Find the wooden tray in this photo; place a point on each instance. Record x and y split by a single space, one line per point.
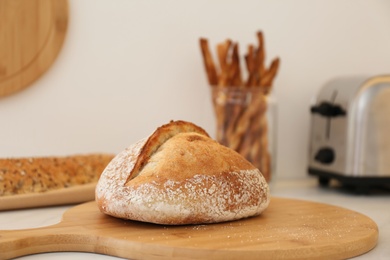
70 195
288 229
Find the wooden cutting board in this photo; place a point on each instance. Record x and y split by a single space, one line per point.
31 35
288 229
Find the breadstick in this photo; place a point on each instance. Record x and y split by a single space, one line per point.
237 109
238 95
235 73
222 51
261 131
255 132
267 80
220 107
250 137
249 58
208 62
260 57
259 154
250 64
258 104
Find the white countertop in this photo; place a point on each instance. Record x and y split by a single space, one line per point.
375 205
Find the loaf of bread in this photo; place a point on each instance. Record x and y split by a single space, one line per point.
41 174
179 175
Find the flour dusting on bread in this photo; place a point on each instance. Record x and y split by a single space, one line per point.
185 178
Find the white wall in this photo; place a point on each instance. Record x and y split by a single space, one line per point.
130 66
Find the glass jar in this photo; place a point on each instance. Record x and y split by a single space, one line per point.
245 122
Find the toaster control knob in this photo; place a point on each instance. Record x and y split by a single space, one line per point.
325 156
328 109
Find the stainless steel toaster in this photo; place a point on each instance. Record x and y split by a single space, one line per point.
350 132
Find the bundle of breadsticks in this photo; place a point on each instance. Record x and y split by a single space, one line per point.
240 98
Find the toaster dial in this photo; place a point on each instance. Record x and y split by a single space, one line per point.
325 155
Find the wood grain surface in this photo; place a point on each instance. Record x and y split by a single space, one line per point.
288 229
63 196
31 35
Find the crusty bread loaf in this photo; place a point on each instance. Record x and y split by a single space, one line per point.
40 174
179 175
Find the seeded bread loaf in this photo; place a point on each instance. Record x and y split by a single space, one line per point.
41 174
179 175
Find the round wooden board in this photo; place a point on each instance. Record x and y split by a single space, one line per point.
31 35
288 229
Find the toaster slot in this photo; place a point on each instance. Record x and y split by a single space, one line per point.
329 110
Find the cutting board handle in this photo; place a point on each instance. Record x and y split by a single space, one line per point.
16 243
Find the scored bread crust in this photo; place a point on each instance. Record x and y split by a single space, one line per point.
179 175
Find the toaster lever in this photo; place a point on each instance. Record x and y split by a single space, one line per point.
328 109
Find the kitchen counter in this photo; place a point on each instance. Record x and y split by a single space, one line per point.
374 205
